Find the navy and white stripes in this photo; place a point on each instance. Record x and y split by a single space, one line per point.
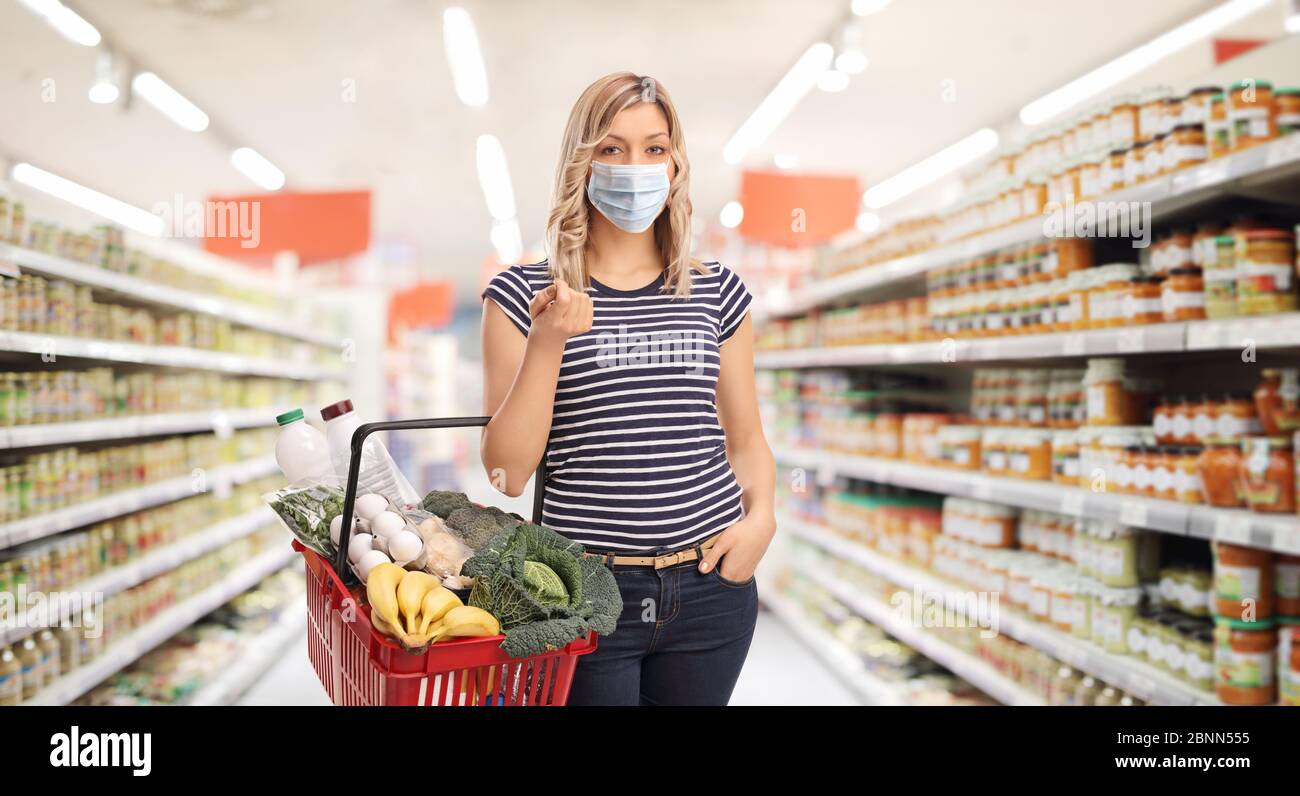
636 459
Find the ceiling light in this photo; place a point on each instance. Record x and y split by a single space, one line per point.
921 174
169 102
494 178
865 8
778 104
784 161
65 21
257 168
1134 61
732 214
832 81
114 210
868 223
466 59
507 241
104 90
1292 21
851 62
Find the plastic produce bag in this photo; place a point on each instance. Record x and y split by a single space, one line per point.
306 510
444 552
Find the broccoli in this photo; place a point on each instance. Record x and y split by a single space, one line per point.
474 525
444 503
504 520
513 580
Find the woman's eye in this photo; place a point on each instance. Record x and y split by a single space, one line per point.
609 150
656 150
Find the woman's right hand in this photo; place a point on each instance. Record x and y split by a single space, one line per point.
560 312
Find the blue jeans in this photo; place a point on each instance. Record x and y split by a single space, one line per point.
681 640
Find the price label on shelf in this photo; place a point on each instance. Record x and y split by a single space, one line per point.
1132 341
1072 504
1283 150
1134 513
1234 528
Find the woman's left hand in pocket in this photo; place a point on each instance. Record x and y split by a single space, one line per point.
740 548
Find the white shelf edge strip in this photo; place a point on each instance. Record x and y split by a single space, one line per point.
131 500
164 355
1277 532
31 436
1267 331
866 686
121 578
1141 680
971 669
254 659
162 295
1166 194
161 628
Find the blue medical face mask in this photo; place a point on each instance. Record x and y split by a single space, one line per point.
629 196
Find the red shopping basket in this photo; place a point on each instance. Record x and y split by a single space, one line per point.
357 665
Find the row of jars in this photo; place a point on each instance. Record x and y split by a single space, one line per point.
1123 144
38 660
62 396
61 562
1028 397
57 478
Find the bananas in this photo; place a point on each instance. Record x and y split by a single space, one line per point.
410 594
461 621
416 610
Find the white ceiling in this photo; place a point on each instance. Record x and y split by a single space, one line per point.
270 74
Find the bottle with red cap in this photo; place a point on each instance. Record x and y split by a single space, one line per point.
379 473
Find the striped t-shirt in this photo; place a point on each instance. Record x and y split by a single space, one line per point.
636 460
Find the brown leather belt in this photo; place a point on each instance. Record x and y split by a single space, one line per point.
693 553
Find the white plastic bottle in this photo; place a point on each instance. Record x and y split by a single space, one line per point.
379 473
301 451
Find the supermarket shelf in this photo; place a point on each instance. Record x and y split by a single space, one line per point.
162 627
258 656
1174 193
165 355
91 511
119 579
1143 681
142 290
869 688
132 426
1279 532
1273 331
969 668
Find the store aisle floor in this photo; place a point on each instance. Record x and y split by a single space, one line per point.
779 671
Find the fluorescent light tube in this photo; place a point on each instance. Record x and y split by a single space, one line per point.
732 214
507 241
66 21
865 8
466 59
169 102
114 210
777 105
941 163
494 178
1134 61
833 81
257 168
868 223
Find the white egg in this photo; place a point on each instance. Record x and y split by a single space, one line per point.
358 546
387 523
369 561
405 546
336 527
367 506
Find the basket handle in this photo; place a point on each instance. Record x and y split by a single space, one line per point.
354 473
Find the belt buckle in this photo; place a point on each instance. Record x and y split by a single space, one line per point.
668 560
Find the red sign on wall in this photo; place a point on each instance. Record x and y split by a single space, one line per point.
320 227
797 210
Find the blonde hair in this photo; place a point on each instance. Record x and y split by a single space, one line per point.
589 122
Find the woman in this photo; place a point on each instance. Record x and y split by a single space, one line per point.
629 366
